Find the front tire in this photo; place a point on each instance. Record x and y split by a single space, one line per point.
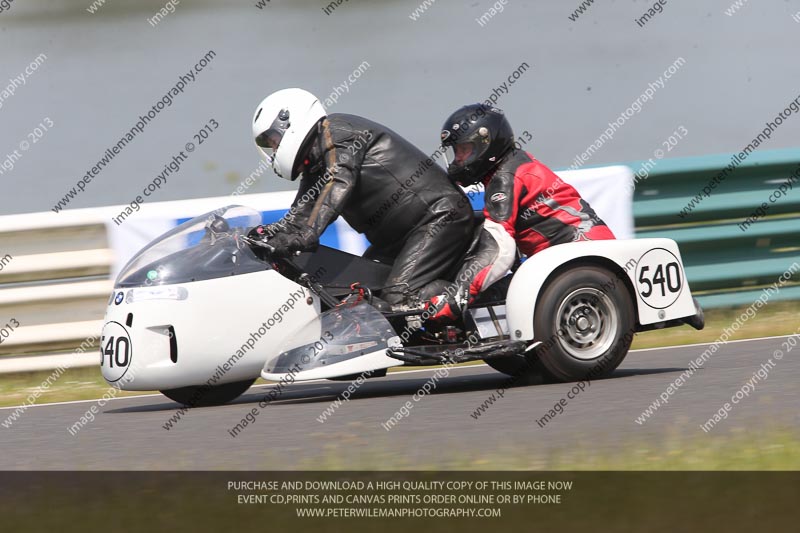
586 322
206 396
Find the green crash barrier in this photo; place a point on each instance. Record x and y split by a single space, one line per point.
728 260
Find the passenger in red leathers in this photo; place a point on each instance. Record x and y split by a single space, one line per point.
527 206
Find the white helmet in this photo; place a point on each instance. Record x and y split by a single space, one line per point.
283 120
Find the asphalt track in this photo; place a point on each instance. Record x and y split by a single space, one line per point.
128 433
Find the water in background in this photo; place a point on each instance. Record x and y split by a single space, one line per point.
103 70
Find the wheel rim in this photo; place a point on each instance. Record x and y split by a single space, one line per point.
586 323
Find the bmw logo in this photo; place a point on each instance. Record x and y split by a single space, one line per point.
119 298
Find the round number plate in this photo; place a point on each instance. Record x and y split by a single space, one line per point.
116 351
659 278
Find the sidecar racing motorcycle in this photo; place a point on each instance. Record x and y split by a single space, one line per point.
201 313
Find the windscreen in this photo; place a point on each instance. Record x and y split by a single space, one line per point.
205 247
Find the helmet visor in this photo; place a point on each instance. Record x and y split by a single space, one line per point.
461 154
269 141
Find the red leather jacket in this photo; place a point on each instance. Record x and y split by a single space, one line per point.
537 208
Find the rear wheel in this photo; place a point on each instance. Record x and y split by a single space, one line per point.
204 395
585 320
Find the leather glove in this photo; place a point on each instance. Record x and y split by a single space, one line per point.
286 243
265 232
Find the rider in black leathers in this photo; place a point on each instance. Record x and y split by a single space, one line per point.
385 188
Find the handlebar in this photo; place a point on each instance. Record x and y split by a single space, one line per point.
262 244
256 242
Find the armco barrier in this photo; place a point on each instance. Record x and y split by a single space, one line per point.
54 282
726 264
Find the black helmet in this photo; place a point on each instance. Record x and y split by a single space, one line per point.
475 138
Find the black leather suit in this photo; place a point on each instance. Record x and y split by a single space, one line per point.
389 190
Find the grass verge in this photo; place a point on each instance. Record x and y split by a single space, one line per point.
771 449
779 318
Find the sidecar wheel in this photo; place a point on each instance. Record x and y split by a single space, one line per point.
585 319
205 396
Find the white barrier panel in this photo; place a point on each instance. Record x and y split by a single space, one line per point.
609 190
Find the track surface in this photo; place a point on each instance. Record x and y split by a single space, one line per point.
128 433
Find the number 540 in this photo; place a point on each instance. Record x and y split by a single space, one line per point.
668 278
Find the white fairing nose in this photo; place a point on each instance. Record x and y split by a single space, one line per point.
197 307
207 332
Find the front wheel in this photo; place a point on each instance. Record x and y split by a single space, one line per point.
205 395
585 320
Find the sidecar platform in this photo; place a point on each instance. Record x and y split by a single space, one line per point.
437 354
